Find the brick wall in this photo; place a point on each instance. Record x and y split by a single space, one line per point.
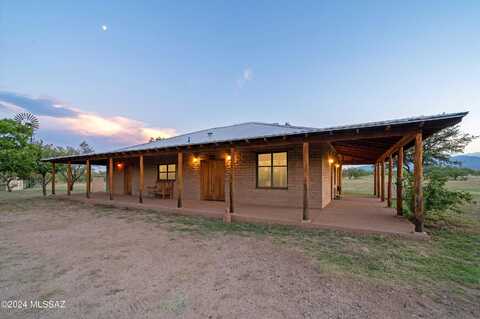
246 191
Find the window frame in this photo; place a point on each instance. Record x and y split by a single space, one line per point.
167 172
271 169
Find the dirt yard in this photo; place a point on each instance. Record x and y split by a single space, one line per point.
110 263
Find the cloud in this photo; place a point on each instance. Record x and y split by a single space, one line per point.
56 117
37 106
247 75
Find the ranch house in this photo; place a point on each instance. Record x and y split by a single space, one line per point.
270 172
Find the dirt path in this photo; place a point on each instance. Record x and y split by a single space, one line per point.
110 264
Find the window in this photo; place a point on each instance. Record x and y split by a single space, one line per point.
167 172
272 170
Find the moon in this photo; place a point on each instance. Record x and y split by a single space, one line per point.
104 27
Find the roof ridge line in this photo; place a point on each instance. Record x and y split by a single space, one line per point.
282 125
185 134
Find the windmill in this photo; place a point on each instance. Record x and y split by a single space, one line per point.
28 119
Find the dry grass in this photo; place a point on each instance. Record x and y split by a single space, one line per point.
447 268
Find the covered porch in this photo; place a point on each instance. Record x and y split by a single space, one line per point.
310 192
354 213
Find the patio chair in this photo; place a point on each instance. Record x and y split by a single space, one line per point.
162 189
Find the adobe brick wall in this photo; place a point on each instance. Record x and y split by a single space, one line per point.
245 176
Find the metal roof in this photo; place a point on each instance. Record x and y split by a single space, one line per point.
256 130
242 131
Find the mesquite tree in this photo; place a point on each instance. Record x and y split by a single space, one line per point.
44 169
438 148
17 155
78 171
437 152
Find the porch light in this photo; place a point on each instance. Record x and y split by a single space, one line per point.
119 165
337 165
330 161
195 159
229 157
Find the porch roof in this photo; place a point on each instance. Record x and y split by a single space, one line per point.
359 143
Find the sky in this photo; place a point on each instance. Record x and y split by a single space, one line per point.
115 73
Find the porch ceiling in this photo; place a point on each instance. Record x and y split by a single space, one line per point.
364 151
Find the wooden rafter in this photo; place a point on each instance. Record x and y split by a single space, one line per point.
402 142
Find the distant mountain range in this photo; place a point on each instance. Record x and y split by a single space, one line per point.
470 160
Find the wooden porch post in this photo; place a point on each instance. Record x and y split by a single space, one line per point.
418 179
89 179
389 185
231 180
375 179
110 177
399 181
306 181
334 178
378 180
53 178
69 178
332 167
382 181
180 179
141 181
340 173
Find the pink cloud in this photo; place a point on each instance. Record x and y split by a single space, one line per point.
55 116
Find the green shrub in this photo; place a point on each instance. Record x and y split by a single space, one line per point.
437 199
355 172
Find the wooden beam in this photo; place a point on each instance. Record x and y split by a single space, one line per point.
335 180
231 180
378 180
110 177
351 136
332 167
418 179
392 149
357 154
89 179
400 182
382 181
53 178
306 181
69 178
375 179
389 182
141 181
340 173
179 179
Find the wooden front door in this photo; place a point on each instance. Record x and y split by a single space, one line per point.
212 179
127 180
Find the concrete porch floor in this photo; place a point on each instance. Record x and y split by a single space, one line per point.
351 213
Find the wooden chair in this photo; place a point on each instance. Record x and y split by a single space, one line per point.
162 189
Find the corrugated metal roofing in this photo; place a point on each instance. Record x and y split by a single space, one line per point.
255 130
242 131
